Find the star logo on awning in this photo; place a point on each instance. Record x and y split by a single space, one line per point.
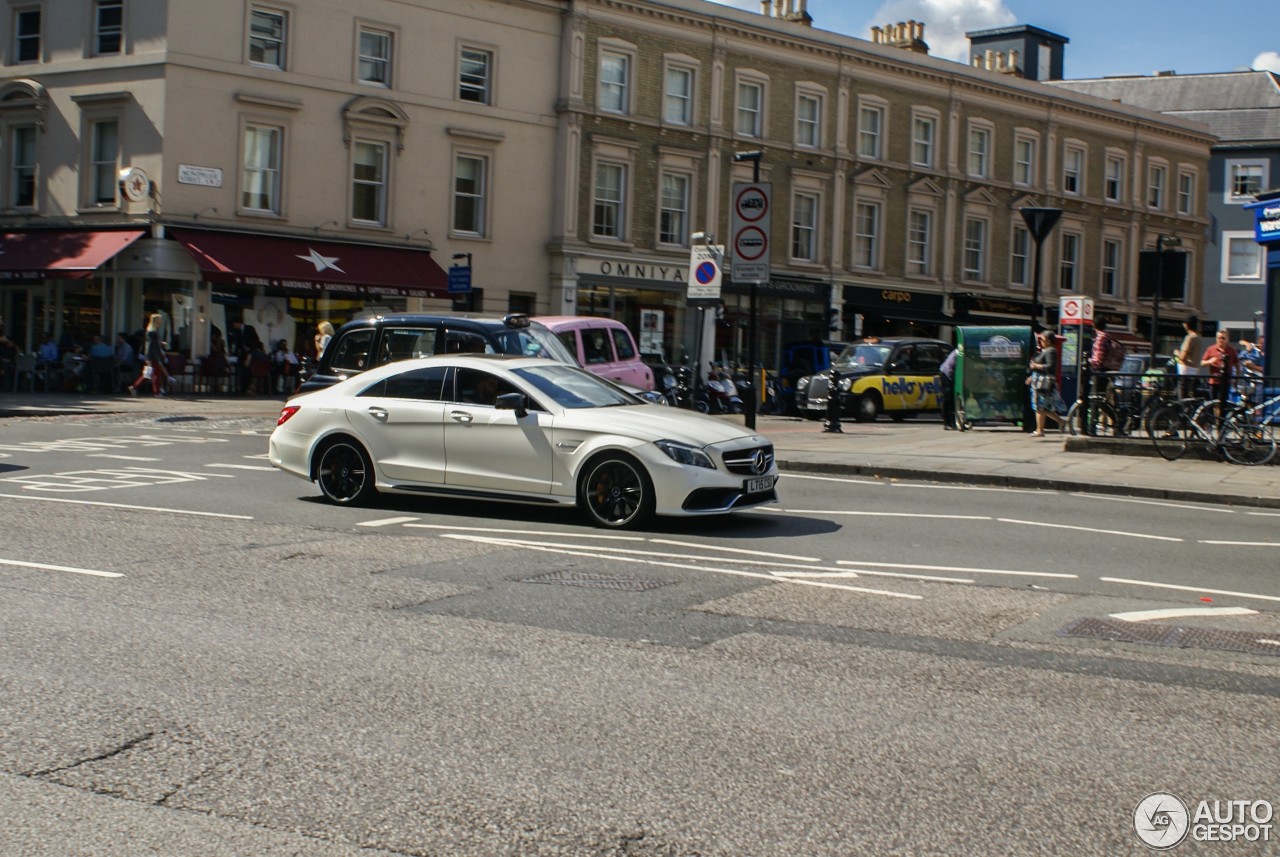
322 263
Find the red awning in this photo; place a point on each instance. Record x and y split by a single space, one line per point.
312 266
66 253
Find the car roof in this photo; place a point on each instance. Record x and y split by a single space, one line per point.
411 318
896 340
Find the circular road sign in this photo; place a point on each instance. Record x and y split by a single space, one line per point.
751 203
750 243
706 273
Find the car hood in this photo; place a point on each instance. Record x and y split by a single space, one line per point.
655 422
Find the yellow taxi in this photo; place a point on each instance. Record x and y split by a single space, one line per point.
898 377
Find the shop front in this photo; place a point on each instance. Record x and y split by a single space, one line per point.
788 309
993 310
890 310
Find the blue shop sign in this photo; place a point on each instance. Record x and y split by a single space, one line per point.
1266 226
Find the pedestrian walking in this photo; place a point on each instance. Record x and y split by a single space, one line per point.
947 376
153 368
1043 382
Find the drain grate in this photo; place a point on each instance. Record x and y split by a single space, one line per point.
597 581
1174 636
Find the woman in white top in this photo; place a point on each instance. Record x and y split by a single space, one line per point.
324 332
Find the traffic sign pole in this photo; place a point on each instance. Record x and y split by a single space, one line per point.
750 230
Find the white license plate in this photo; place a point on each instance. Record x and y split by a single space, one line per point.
761 484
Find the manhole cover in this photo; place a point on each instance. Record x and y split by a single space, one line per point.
1175 636
597 581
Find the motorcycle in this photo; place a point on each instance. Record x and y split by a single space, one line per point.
721 394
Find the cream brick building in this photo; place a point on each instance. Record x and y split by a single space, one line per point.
293 162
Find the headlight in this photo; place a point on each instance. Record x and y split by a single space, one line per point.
845 384
682 453
802 384
653 397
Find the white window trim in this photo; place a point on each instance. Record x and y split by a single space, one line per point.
1077 261
90 122
1119 268
491 81
930 244
383 219
922 114
688 176
1027 273
1230 198
818 94
1021 135
286 53
816 232
617 47
392 40
275 124
1154 166
14 12
1075 147
1183 173
679 62
982 275
988 131
752 78
1228 238
871 102
1109 157
98 31
10 129
877 238
485 196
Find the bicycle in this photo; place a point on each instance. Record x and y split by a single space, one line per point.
1176 423
1096 415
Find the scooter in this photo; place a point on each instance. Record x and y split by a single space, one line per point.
721 395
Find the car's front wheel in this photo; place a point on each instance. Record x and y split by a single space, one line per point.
615 492
345 474
867 408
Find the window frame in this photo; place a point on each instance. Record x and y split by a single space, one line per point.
275 172
1069 262
107 31
812 125
282 43
1075 158
1230 166
806 233
625 89
919 264
973 266
1116 180
482 85
880 109
382 184
866 247
1185 194
23 39
102 173
668 234
978 158
1112 266
1157 196
618 205
919 121
1028 166
480 196
1246 238
387 62
756 113
1020 249
21 176
685 99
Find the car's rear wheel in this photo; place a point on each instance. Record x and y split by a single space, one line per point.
345 474
615 492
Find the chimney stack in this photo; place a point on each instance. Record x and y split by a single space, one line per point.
908 35
795 11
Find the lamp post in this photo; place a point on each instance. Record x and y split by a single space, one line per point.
749 408
1040 222
1163 242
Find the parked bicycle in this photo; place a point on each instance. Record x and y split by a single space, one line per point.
1224 431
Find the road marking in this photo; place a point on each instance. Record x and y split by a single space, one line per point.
643 561
790 474
957 569
241 466
524 532
1240 544
887 514
1188 588
45 567
1265 514
120 457
385 522
734 550
1180 612
79 502
1268 642
846 481
1089 530
1185 506
104 480
925 577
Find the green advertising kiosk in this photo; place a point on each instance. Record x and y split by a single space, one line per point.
991 375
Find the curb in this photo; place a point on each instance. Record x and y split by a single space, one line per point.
878 472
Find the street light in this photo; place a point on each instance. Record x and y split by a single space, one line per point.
749 411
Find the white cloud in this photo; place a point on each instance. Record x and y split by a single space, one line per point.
1267 61
946 22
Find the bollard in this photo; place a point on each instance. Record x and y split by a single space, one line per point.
833 405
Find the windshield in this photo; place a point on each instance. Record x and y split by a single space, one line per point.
571 387
862 357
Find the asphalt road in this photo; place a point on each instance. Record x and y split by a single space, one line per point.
202 658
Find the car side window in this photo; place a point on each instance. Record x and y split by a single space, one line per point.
475 387
465 342
928 359
425 385
351 352
399 343
622 344
595 347
570 340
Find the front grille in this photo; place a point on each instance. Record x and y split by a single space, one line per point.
750 462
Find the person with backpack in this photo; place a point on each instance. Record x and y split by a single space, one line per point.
1107 354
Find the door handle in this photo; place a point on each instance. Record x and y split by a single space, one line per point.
461 416
378 413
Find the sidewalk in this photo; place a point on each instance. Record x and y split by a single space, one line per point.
915 449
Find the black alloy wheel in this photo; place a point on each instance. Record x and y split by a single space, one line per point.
345 474
616 493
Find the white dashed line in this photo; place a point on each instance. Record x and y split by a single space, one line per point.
1180 612
1089 530
1189 588
46 567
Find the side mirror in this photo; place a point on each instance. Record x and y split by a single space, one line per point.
513 402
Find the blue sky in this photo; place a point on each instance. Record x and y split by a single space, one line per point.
1108 37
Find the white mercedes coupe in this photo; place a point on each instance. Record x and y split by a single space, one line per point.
519 429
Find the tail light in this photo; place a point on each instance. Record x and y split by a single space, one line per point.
286 412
